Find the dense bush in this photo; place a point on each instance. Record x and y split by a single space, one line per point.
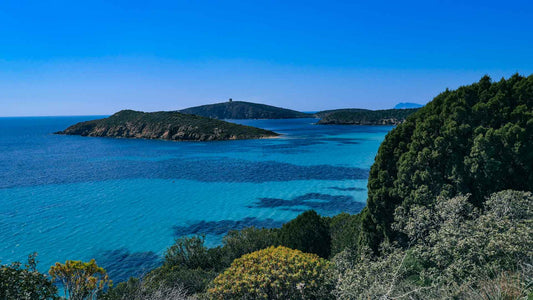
239 242
274 273
458 242
191 253
140 289
25 282
308 233
457 251
192 280
344 232
188 263
475 140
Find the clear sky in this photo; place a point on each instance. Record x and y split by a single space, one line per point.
68 58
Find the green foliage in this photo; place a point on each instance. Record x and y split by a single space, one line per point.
308 233
274 273
364 116
344 231
191 253
25 282
464 242
365 276
80 280
243 110
123 290
456 251
172 277
189 266
188 263
474 140
136 289
239 242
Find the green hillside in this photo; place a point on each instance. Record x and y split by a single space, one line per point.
243 110
354 116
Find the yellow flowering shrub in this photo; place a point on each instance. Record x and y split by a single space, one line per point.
80 280
274 273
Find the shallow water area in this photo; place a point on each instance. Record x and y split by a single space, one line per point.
124 201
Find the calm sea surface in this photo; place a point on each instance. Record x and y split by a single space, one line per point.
124 201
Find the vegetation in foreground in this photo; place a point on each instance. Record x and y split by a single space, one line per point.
449 216
19 281
456 251
274 273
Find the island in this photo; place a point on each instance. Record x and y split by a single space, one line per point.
244 110
356 116
165 125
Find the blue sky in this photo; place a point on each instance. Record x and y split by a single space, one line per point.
68 58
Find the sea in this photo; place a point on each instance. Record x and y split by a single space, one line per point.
123 202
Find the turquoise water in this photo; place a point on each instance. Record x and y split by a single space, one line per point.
124 201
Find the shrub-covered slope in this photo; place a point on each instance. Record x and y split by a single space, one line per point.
354 116
166 126
243 110
477 139
456 251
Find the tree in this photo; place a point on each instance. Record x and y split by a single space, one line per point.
189 252
274 273
308 233
247 240
344 230
80 280
188 264
25 282
475 140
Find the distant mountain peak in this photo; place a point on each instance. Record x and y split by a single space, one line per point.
403 105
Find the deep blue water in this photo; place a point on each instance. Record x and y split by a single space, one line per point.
124 201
